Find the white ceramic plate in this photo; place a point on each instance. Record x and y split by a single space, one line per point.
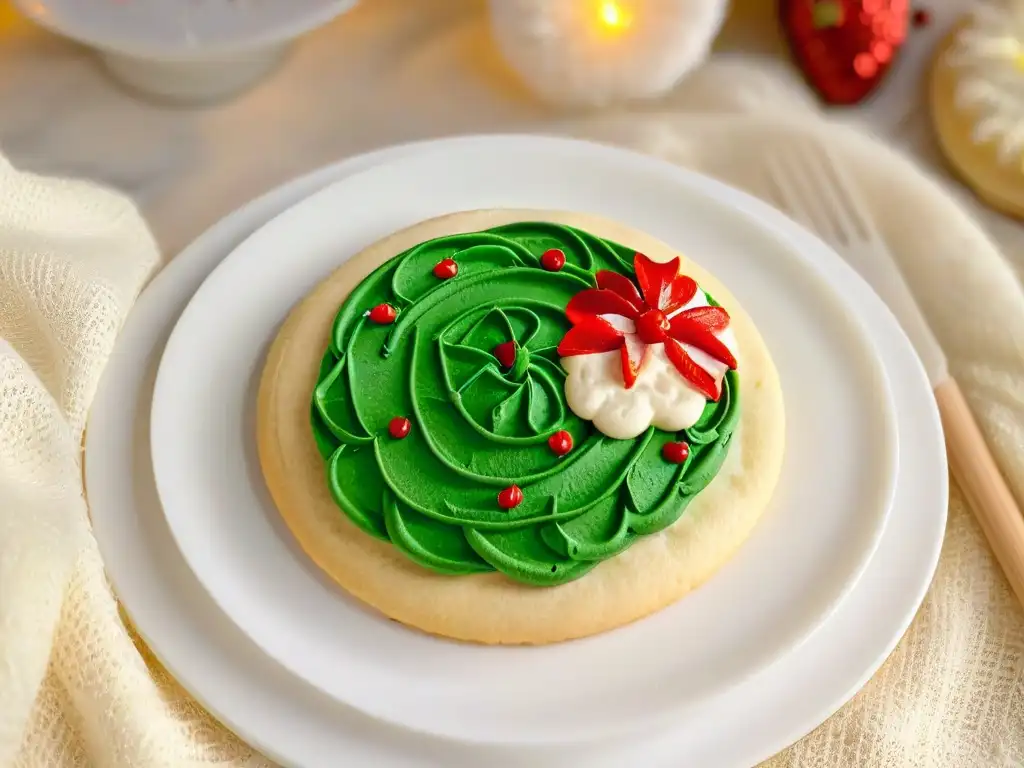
814 542
185 50
296 726
181 29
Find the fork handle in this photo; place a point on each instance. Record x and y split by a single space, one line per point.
974 469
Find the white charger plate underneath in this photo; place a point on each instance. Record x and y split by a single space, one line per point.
294 724
813 543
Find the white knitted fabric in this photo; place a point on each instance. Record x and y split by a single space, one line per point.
77 689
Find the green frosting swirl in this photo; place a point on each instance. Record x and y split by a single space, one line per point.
478 428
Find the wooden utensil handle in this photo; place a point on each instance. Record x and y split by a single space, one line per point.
974 469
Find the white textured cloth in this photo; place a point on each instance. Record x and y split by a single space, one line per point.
77 689
74 688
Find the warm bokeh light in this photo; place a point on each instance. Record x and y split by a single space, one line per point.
11 21
613 15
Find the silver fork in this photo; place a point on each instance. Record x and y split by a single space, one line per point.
811 185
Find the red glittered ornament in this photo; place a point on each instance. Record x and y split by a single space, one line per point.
399 427
844 47
560 443
553 259
675 453
506 353
383 314
510 497
445 269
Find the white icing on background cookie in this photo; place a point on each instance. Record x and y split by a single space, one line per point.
660 397
988 58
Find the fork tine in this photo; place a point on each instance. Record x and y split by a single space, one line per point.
791 190
813 186
817 189
804 177
848 203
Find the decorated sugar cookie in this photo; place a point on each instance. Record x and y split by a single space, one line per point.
977 100
517 427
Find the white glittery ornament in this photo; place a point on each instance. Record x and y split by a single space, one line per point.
595 52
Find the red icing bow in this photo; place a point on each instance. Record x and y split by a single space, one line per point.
615 316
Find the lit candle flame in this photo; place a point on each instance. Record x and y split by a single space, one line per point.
613 15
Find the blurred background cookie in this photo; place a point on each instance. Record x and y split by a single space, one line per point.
977 103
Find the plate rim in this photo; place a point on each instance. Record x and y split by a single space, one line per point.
168 52
736 202
201 256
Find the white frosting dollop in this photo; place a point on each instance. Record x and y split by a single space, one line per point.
988 55
594 389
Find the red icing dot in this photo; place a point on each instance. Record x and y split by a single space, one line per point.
510 497
383 314
445 269
560 443
553 259
399 427
675 453
506 353
921 18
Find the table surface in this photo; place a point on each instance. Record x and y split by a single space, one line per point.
389 71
